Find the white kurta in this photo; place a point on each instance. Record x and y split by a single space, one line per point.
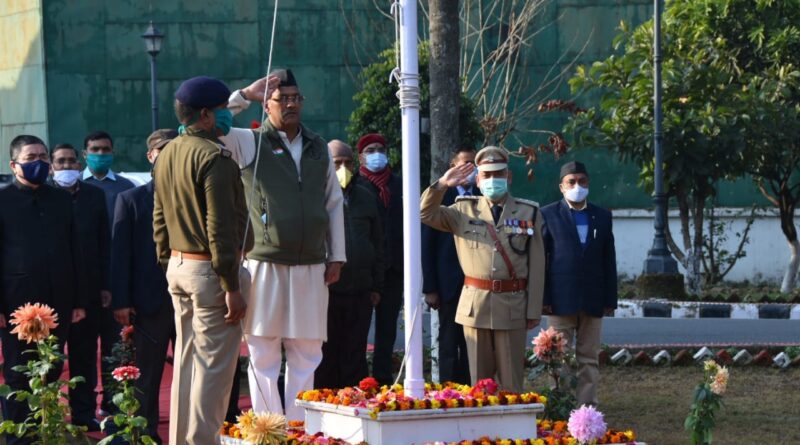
288 301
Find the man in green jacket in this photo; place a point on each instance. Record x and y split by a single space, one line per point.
351 299
199 220
296 212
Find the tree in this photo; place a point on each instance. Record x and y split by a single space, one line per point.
445 85
377 109
765 38
703 139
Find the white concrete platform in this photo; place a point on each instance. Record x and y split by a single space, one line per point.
420 426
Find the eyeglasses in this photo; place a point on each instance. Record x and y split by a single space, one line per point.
284 100
65 161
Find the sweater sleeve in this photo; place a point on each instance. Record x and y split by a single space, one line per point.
218 182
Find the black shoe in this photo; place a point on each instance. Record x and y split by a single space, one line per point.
91 425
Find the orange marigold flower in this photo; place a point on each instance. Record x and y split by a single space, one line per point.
33 322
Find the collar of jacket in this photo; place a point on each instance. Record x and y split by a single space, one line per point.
26 188
272 132
189 131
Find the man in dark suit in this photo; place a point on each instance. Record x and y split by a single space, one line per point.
581 277
140 285
376 176
91 218
443 280
40 261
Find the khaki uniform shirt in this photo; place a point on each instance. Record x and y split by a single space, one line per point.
469 219
200 205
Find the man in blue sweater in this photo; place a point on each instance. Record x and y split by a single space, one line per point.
99 154
581 273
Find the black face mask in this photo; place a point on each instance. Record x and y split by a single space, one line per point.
35 172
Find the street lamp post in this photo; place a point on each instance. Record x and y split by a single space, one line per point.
659 260
152 40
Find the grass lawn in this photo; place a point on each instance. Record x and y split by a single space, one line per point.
762 406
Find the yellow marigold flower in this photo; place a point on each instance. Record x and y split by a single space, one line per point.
629 435
397 387
479 402
504 442
391 406
435 404
538 442
419 404
512 399
494 400
543 400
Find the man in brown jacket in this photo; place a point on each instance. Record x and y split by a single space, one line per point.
500 249
199 220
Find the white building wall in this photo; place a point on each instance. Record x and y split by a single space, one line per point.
767 253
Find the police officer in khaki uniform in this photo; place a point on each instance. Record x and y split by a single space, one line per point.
199 220
500 249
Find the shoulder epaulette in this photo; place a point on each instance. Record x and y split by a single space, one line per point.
224 152
527 201
467 198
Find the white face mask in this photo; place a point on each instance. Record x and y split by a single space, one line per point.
577 193
66 178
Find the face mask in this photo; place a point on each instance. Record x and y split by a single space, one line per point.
66 178
577 193
494 188
376 162
35 172
223 120
344 175
99 163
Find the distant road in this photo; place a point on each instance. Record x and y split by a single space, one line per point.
659 331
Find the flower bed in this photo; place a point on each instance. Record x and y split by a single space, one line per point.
437 396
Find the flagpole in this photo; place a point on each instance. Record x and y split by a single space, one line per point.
414 384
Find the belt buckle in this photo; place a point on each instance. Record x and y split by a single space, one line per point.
497 286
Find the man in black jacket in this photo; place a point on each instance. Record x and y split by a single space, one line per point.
140 295
352 298
581 273
40 260
376 175
89 204
443 281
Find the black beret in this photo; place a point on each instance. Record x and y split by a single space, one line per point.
286 77
202 92
571 168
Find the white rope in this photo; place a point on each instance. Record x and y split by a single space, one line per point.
408 342
409 95
253 186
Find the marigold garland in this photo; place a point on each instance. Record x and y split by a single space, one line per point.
437 396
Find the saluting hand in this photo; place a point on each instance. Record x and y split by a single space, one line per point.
255 91
237 307
78 315
456 176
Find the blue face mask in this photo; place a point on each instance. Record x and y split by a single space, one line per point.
494 188
99 162
35 172
376 162
224 120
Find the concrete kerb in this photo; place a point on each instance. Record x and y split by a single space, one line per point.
700 309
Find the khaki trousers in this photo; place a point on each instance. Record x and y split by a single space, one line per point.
497 354
206 352
582 332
